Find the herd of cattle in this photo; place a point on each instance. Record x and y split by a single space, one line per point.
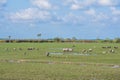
30 48
105 49
110 49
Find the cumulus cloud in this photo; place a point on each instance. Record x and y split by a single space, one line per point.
70 1
30 14
76 7
107 2
80 4
115 14
2 11
95 11
115 11
90 11
42 4
70 18
3 1
43 12
101 17
96 16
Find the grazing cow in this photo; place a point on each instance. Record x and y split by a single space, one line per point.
14 49
111 51
67 49
90 50
31 48
84 51
47 54
70 49
104 52
108 46
104 47
116 47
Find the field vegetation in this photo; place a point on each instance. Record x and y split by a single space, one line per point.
17 62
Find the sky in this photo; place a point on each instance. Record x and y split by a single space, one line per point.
83 19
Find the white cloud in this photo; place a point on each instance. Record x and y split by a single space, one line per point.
70 1
2 9
72 19
30 14
89 2
91 12
106 2
3 1
101 17
115 11
115 14
94 11
109 3
42 4
95 16
76 7
81 4
74 4
89 16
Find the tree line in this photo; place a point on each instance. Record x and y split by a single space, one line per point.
57 39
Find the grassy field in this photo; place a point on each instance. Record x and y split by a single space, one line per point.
100 64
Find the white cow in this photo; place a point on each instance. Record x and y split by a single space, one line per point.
67 49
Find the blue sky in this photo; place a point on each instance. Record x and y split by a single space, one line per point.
83 19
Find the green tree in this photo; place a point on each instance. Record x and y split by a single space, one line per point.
74 39
39 35
116 40
68 40
57 39
9 37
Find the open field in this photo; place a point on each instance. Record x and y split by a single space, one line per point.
19 63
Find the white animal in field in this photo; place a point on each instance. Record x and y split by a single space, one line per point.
90 50
84 51
14 49
67 49
111 51
70 49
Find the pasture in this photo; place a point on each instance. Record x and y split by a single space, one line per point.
28 61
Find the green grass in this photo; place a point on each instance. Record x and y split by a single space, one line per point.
35 65
38 71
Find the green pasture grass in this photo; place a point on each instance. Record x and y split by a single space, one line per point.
95 56
37 66
41 71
